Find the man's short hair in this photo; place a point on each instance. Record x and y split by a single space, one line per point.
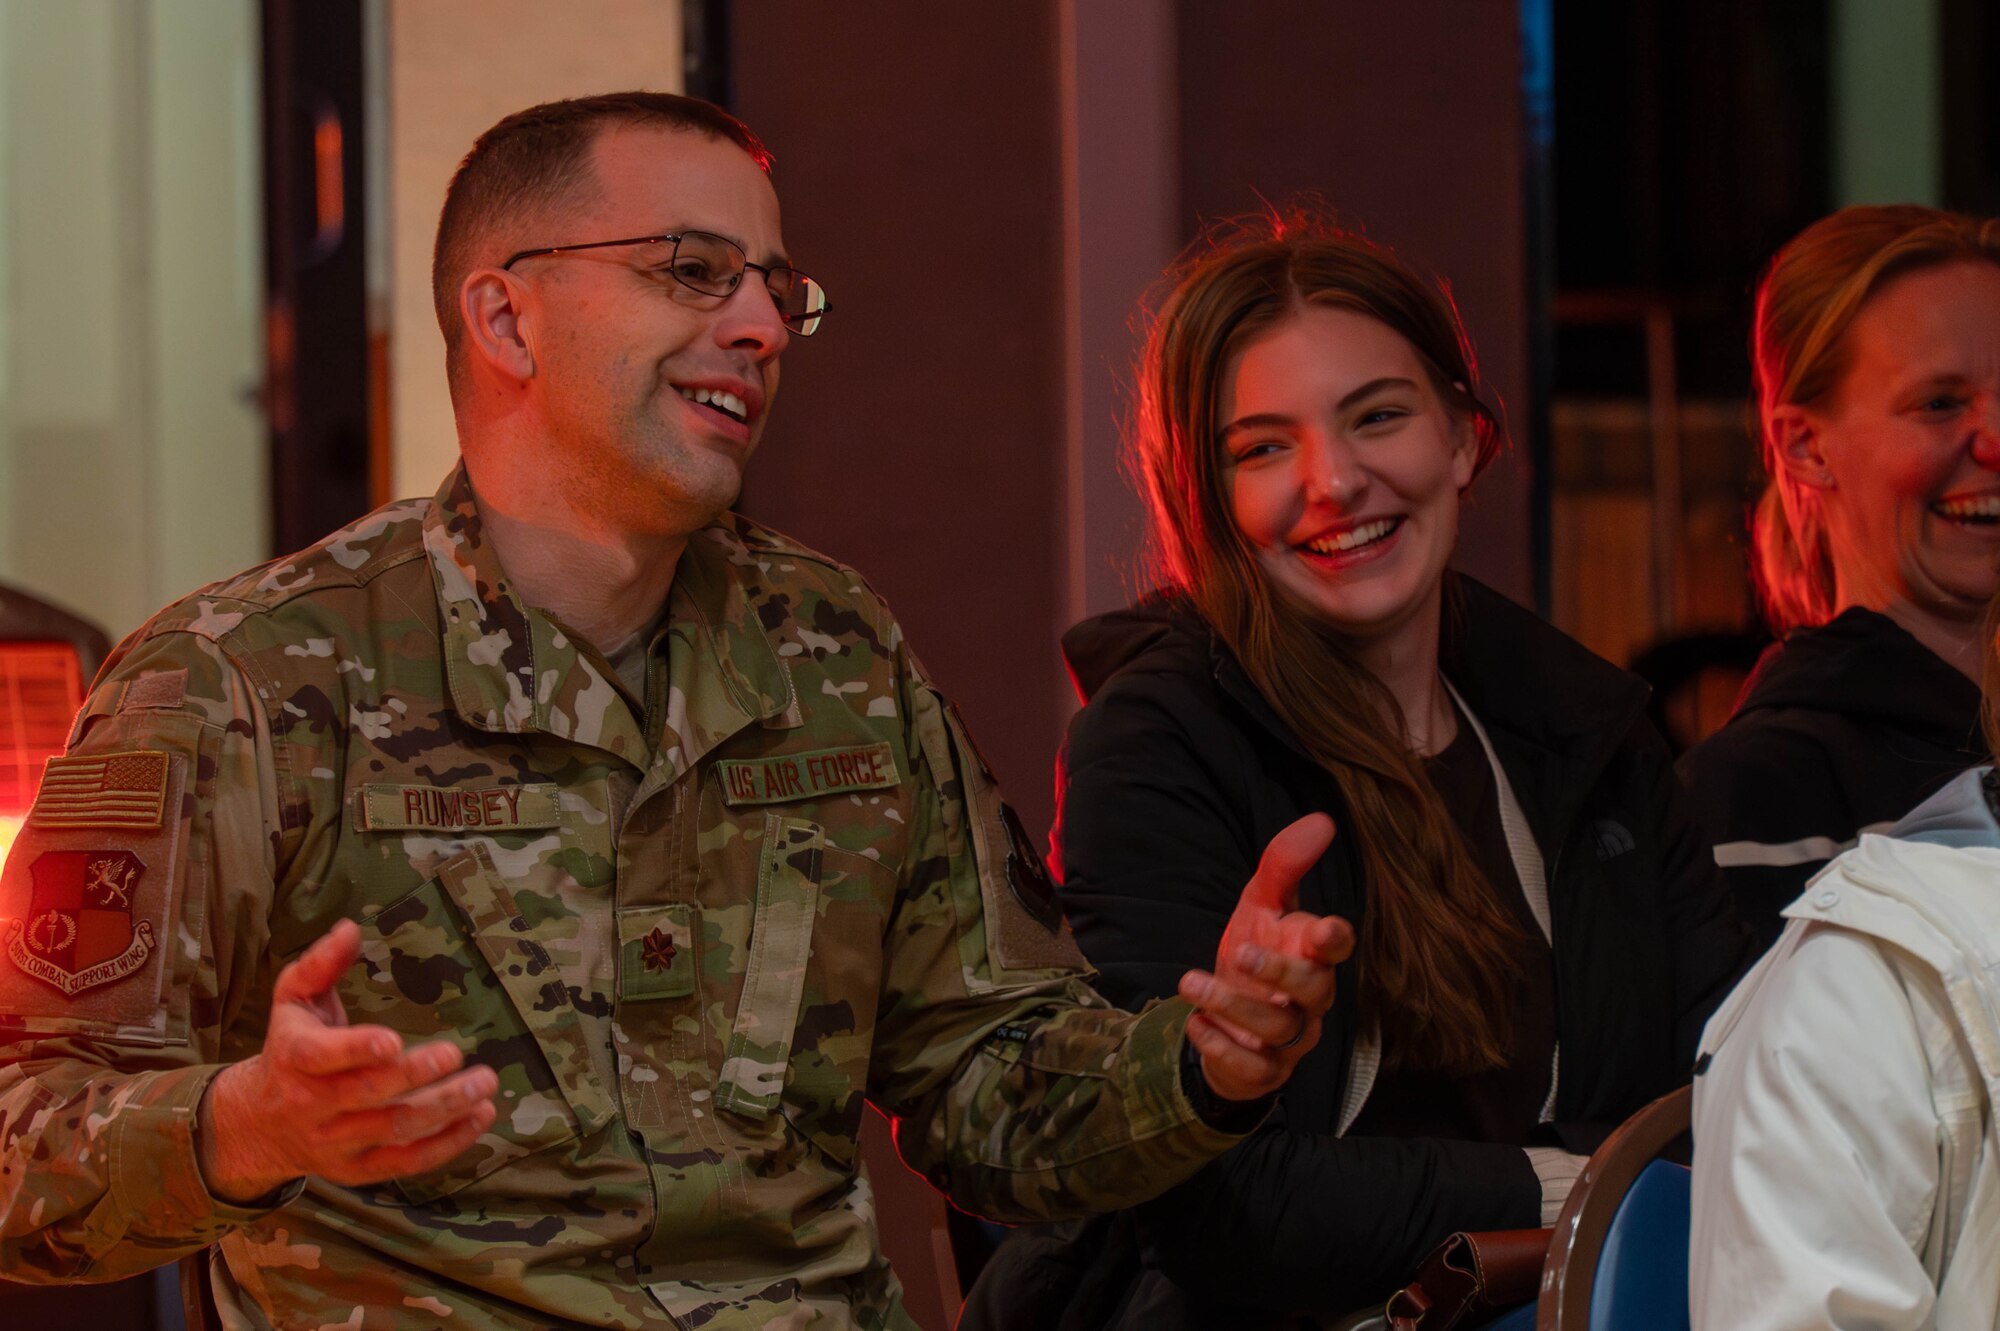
538 160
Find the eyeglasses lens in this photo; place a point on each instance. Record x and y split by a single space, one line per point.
707 263
713 265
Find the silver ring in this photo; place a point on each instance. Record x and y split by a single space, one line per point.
1297 1036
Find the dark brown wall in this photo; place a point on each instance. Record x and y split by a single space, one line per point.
920 436
923 436
1127 131
1406 118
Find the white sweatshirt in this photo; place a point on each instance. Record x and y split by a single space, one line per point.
1847 1161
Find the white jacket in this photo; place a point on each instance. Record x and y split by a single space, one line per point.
1847 1160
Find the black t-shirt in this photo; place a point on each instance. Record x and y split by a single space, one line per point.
1505 1103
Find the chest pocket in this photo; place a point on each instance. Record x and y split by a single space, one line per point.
455 960
774 981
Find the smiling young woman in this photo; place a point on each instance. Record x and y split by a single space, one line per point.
1876 356
1541 932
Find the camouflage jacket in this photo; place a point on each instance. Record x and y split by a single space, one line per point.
691 932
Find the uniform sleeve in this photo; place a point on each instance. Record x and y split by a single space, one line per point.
1816 1152
150 841
1017 1089
1295 1217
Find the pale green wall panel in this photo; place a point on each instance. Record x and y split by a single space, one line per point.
133 466
213 505
1887 109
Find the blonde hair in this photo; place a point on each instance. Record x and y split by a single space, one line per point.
1806 302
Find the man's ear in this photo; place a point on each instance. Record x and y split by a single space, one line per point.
497 310
1798 445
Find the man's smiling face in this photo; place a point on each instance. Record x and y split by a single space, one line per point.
653 395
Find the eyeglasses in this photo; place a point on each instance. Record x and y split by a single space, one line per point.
714 266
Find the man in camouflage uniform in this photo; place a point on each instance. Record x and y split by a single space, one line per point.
626 935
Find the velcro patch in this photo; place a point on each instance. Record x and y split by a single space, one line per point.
656 951
79 932
392 808
103 790
162 689
800 776
87 916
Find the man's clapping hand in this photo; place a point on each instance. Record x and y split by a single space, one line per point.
348 1104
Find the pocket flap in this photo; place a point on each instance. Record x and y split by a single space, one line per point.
531 959
760 1045
421 975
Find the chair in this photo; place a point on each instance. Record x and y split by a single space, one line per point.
198 1310
1619 1257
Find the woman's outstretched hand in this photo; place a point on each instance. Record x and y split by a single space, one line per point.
1259 1013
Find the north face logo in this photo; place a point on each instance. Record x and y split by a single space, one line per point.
1611 839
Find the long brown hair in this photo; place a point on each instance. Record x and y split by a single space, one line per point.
1439 955
1806 302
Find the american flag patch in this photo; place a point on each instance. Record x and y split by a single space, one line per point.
103 790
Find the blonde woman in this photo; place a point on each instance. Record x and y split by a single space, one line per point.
1876 353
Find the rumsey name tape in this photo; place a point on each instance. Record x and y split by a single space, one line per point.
389 808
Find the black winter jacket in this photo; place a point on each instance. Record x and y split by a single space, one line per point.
1174 777
1842 729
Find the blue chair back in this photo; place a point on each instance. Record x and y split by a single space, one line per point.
1642 1274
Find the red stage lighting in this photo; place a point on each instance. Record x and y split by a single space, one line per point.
41 686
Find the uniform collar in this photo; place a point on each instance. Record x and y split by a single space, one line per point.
723 671
514 670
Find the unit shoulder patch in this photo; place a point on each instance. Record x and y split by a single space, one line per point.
87 899
1028 876
79 932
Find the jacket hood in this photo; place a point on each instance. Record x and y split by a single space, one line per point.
1933 889
1098 648
1864 665
1960 815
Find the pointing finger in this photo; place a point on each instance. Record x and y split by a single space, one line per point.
1286 859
